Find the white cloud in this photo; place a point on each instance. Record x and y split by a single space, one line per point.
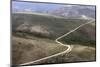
28 9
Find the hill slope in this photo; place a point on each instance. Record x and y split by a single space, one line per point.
33 36
44 25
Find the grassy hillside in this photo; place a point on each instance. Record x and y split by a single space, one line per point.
26 50
44 25
33 36
84 36
79 53
49 26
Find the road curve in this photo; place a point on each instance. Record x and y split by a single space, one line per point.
69 48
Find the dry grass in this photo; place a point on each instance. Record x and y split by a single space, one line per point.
85 52
26 50
79 53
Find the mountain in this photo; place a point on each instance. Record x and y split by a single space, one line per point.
68 11
74 11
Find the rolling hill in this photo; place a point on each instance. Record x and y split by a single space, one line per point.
33 36
44 25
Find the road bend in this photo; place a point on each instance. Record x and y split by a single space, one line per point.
69 47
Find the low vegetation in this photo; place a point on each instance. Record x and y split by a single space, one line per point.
46 26
79 53
33 38
83 36
26 50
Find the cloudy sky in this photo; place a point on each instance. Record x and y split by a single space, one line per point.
32 6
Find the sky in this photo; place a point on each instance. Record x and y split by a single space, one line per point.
32 6
29 6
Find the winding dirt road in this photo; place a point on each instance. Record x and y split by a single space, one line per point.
69 47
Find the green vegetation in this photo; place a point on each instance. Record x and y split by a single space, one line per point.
53 25
83 36
33 38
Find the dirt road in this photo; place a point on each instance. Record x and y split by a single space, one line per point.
69 47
